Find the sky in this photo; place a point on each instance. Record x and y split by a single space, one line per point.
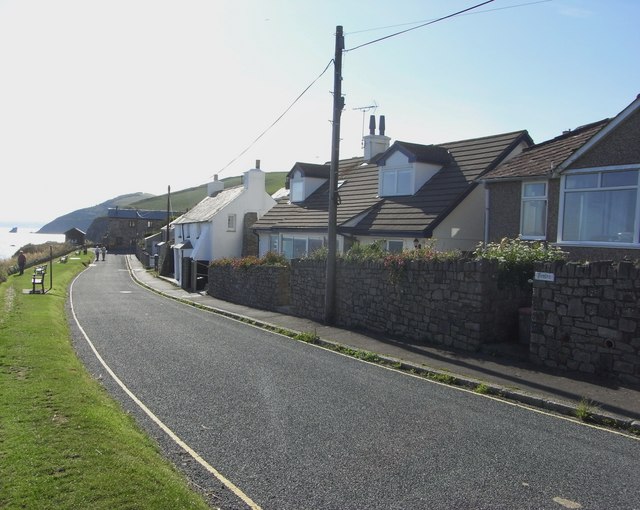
104 98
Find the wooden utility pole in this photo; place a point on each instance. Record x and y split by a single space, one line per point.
338 105
168 212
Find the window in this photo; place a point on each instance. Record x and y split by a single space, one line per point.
274 243
297 187
533 213
132 223
297 191
295 247
231 222
395 246
600 207
396 182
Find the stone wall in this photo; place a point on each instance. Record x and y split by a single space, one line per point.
588 319
264 287
456 304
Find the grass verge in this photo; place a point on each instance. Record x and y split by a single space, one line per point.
64 443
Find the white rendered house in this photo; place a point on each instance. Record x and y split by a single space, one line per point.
217 227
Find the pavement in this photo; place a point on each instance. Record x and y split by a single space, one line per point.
502 372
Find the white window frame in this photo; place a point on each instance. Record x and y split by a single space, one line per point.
635 243
231 223
395 241
305 238
524 199
394 173
296 187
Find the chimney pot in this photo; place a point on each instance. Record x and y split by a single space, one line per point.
382 125
257 164
372 124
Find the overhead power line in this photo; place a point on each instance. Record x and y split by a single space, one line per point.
466 14
420 26
277 120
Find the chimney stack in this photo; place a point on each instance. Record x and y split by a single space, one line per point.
215 186
375 144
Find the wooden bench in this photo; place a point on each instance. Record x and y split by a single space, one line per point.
38 279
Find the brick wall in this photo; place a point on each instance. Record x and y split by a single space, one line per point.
588 319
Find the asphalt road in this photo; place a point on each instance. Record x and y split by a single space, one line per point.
293 426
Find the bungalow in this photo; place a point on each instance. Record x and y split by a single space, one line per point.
218 227
400 194
580 191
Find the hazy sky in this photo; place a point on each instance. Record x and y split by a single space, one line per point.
103 98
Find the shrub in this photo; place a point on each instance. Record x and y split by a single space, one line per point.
270 259
36 254
517 257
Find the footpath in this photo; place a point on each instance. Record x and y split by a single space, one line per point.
607 402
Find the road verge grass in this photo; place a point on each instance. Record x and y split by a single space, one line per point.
64 443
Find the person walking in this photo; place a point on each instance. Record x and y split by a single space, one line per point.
97 250
22 261
104 251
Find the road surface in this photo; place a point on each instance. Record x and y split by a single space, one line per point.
258 420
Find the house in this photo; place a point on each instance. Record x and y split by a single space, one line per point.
219 227
75 236
401 194
127 227
580 191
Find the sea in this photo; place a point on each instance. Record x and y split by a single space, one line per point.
11 242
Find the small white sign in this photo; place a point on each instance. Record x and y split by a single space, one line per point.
545 277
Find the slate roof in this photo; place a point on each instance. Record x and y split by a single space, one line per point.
208 207
362 211
542 159
417 153
136 214
309 170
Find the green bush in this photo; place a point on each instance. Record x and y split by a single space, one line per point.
517 257
270 259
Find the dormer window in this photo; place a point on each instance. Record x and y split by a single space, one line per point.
397 182
304 179
297 187
405 168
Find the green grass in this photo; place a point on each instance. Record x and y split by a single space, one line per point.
185 199
585 409
64 443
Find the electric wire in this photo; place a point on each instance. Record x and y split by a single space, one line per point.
278 119
420 26
431 20
423 24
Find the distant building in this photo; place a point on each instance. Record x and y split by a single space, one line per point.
127 227
75 236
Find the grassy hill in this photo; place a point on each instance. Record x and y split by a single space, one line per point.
184 200
82 218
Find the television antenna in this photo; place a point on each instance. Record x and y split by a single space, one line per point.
364 110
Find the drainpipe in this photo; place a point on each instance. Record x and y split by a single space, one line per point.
487 203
